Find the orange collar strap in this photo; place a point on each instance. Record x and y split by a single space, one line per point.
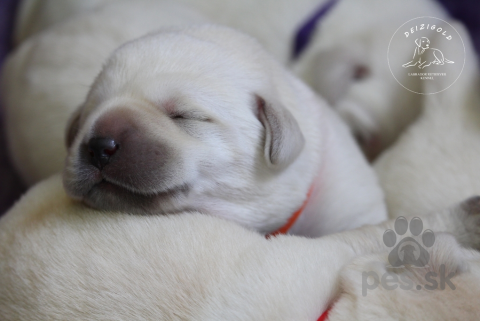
324 315
285 228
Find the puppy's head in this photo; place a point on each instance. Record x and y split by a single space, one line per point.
351 74
181 120
344 73
423 42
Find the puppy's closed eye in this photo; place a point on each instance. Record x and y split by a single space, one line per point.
190 115
194 123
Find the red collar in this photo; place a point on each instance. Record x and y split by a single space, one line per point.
284 229
324 315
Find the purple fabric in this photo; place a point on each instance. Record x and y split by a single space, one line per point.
467 11
305 32
10 185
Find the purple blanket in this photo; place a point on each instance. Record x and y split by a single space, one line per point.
10 186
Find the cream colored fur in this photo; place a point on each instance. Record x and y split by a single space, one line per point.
437 159
421 305
48 77
357 34
354 35
60 260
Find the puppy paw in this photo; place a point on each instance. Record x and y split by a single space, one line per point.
470 216
471 206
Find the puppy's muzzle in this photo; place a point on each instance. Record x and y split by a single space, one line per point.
127 162
101 151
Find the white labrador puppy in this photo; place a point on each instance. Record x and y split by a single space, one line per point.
437 159
200 122
345 61
203 119
60 260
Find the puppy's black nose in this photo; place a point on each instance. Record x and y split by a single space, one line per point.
100 150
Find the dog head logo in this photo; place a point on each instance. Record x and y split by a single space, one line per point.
426 55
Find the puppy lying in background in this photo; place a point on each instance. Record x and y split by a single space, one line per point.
347 64
437 159
60 260
344 60
225 131
47 78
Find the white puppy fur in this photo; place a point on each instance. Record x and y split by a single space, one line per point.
48 77
347 64
225 131
436 160
233 133
346 61
447 303
62 260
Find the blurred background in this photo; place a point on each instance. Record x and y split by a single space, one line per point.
11 188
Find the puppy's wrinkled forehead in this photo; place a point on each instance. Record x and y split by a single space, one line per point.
172 62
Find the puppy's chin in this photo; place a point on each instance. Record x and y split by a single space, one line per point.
108 196
90 187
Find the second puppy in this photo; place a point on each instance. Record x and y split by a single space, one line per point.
437 159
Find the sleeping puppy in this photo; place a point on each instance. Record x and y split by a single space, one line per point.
61 260
345 60
225 131
436 160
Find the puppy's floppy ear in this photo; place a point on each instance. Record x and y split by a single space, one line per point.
417 42
283 138
73 126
